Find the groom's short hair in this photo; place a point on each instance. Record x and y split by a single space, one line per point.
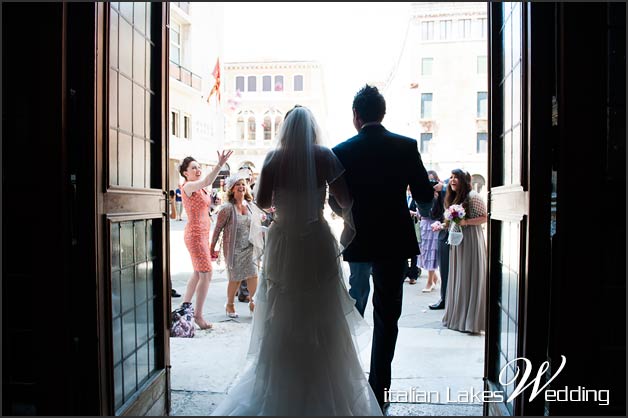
369 104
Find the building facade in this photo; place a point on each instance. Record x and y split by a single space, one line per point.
438 92
196 121
258 96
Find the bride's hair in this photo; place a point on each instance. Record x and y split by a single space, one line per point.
294 166
299 122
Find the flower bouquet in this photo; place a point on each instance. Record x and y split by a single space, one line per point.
454 214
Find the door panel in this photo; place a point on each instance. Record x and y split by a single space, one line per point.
132 199
520 178
508 199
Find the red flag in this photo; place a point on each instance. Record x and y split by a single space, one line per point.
216 72
216 88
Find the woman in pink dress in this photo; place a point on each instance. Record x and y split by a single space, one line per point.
196 201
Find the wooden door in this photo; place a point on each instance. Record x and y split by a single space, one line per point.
521 43
131 177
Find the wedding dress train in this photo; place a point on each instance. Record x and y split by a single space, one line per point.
303 358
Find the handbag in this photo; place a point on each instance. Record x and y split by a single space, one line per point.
455 234
183 321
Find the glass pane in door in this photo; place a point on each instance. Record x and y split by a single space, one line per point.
133 301
510 232
512 88
131 95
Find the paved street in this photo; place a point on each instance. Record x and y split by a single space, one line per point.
428 358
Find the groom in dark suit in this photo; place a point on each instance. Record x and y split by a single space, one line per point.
379 162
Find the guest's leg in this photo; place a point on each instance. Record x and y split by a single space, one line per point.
387 297
252 286
359 285
431 278
232 288
204 277
191 288
201 291
413 272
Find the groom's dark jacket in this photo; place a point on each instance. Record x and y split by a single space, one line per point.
379 167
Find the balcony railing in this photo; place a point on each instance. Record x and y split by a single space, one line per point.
185 76
183 5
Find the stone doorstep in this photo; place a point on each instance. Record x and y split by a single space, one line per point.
432 409
202 403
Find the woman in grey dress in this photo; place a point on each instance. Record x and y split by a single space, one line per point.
465 305
234 222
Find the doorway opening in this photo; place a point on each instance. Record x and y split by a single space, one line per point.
433 72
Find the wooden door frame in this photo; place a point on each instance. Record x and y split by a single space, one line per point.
165 181
105 355
540 141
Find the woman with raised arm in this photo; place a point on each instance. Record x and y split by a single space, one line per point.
196 201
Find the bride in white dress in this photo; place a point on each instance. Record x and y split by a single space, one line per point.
303 355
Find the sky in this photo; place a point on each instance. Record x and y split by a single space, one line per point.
355 42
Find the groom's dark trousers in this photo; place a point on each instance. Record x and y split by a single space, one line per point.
388 277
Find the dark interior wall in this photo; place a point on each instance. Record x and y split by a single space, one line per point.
33 186
49 321
588 323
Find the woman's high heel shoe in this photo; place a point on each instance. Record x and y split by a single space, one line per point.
251 306
231 314
428 289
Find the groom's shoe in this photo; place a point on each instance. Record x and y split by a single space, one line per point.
385 407
438 305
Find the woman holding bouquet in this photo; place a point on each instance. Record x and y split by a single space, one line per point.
465 306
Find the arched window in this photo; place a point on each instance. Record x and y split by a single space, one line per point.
278 120
252 128
268 127
240 133
477 182
272 123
